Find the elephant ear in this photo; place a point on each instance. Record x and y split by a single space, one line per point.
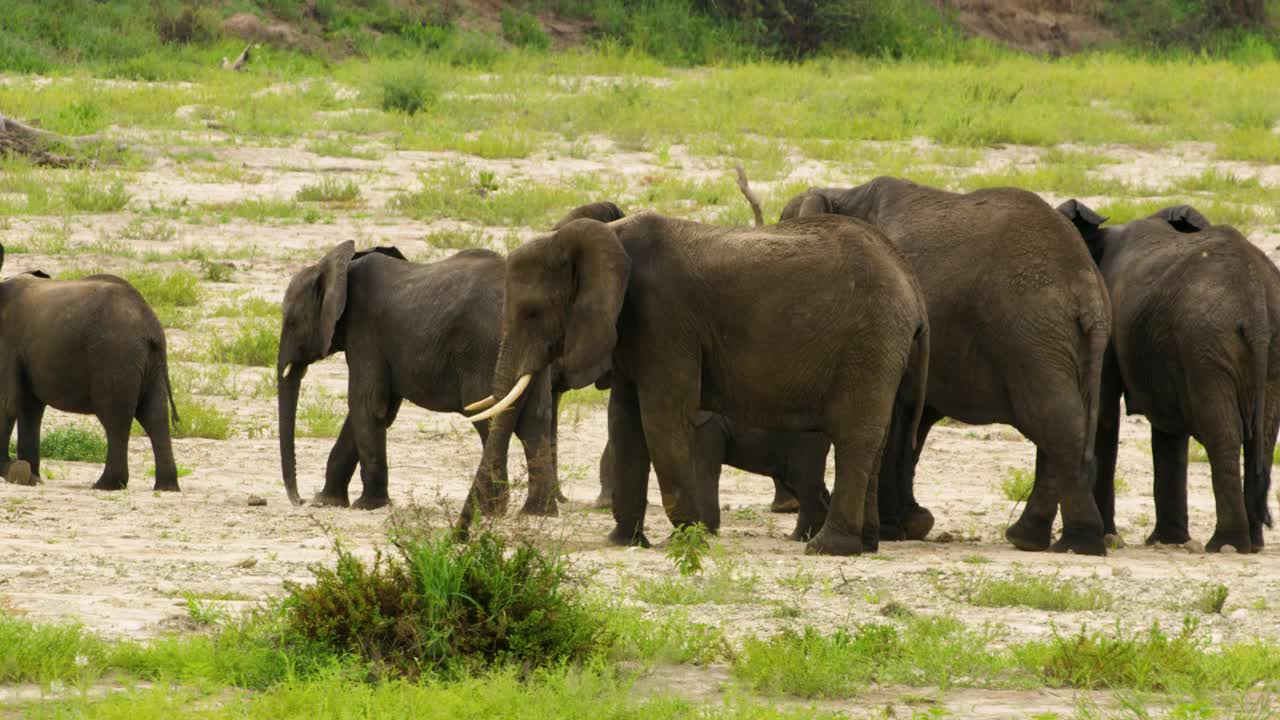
814 203
1088 223
332 288
388 250
603 211
1184 218
601 270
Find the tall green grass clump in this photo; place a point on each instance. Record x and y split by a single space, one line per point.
1041 593
440 607
73 443
255 342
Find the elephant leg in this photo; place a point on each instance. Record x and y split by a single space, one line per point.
607 478
14 471
784 499
858 424
669 432
1222 444
115 476
371 446
805 475
1257 480
1106 444
153 416
490 490
534 428
627 455
708 458
30 416
339 468
1169 486
901 517
1062 477
555 446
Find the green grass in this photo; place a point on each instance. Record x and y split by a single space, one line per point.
320 414
1016 485
83 195
344 147
1212 598
71 442
329 190
1039 592
726 583
255 341
456 192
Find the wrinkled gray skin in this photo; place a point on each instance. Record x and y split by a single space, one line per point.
1020 321
91 346
791 459
425 332
1196 350
691 317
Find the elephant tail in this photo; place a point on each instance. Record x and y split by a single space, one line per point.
1097 335
1257 335
168 390
920 354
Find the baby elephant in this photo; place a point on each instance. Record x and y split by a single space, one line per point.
89 346
1195 347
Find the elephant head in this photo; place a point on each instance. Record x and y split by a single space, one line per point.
1183 218
564 292
313 310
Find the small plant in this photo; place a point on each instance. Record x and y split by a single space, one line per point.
214 271
256 342
487 181
688 546
329 190
1016 485
408 91
1212 598
201 611
523 30
320 415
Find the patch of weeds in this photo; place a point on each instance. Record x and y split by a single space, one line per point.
143 230
440 606
183 471
1016 485
251 306
1211 598
256 342
214 271
85 196
343 147
203 612
320 414
687 547
330 190
747 514
800 581
456 239
71 442
671 638
975 559
522 29
456 192
408 90
1035 591
725 584
176 288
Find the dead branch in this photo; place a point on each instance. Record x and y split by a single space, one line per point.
241 60
751 196
40 145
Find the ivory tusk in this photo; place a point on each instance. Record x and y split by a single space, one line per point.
505 402
479 404
287 368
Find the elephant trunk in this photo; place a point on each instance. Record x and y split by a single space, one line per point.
288 384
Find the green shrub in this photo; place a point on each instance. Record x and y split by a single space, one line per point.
256 342
178 288
523 29
1016 485
77 444
687 547
1212 598
406 89
437 606
85 196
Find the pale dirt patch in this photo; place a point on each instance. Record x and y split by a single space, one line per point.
120 562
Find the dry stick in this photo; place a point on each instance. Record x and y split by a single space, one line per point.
751 196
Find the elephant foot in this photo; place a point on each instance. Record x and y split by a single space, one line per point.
628 538
19 473
1255 536
112 483
784 502
603 501
540 508
1081 540
561 497
892 533
918 523
1029 535
1226 540
170 486
1168 535
1112 540
370 502
806 529
324 499
831 542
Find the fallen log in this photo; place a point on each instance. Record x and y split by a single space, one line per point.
41 146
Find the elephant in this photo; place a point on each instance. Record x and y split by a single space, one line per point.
427 332
690 317
91 346
1021 317
1195 348
790 459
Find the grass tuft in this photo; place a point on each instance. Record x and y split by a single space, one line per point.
1042 593
256 342
1016 485
330 190
71 442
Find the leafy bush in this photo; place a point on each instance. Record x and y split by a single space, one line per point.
407 90
688 546
437 606
1212 598
1016 485
77 444
523 29
256 342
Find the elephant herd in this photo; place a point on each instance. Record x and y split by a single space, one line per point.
861 319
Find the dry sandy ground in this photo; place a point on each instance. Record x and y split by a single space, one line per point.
120 562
